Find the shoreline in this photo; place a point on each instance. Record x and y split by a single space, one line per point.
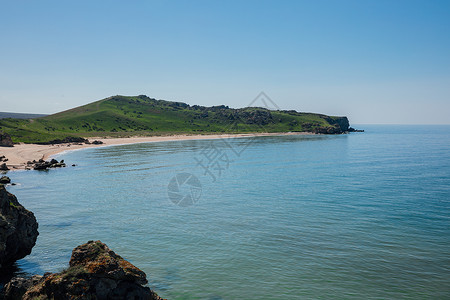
20 154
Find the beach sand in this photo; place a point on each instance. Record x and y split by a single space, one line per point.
20 154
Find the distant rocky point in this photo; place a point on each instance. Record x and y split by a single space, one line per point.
351 129
95 272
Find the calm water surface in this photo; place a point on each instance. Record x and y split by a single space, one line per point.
295 217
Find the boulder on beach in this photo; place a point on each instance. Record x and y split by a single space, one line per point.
18 229
95 272
5 140
3 167
68 139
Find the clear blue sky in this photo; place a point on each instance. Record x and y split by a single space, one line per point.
374 61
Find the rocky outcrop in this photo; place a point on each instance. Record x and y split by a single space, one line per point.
5 140
68 139
95 272
18 229
5 180
44 165
18 286
328 130
3 167
351 129
97 142
338 125
342 122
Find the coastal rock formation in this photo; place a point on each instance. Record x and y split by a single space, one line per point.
3 167
342 122
5 140
95 272
18 286
68 139
5 180
351 129
43 165
18 229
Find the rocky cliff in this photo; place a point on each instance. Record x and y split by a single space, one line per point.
95 272
18 229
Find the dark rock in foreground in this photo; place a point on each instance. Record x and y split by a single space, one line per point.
5 140
18 229
3 167
95 272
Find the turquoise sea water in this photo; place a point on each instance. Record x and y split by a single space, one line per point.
364 215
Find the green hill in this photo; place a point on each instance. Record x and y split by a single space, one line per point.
141 115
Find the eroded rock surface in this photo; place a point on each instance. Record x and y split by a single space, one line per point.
95 272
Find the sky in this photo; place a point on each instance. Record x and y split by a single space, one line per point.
374 61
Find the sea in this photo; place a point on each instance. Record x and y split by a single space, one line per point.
351 216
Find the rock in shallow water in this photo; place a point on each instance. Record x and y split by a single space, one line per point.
95 272
5 180
18 229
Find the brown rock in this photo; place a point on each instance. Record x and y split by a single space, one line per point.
95 272
5 140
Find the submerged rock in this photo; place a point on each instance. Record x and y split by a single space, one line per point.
18 229
95 272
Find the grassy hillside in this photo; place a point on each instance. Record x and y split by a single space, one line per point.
141 115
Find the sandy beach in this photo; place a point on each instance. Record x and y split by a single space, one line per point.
20 154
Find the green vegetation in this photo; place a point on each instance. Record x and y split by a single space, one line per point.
13 205
120 116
